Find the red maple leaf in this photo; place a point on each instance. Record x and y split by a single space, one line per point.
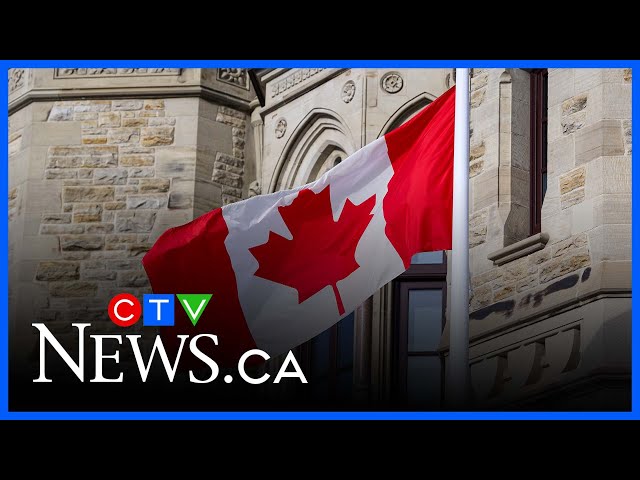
322 251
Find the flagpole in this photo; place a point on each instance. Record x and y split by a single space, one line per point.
458 381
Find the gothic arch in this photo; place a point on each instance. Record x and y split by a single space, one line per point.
319 141
406 111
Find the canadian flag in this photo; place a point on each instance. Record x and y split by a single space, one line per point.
286 266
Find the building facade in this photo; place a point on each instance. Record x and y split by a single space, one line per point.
102 161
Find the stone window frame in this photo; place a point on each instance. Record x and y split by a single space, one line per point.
515 178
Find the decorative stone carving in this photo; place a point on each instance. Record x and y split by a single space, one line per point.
348 91
392 82
255 188
234 76
281 128
294 79
113 72
16 79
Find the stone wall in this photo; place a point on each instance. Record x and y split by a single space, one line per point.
584 252
111 195
93 183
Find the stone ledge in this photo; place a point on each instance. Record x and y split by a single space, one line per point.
40 95
519 249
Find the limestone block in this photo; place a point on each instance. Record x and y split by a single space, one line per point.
574 104
561 266
72 289
87 212
561 85
57 270
573 123
127 104
110 119
587 78
154 136
134 122
539 257
178 162
569 246
486 189
610 243
604 138
558 225
37 247
114 205
56 218
612 209
481 296
134 278
110 176
529 282
61 229
154 202
626 127
141 172
87 194
609 175
126 136
572 180
98 274
616 102
503 292
154 185
99 156
155 104
169 218
55 133
42 196
99 228
176 107
572 198
138 221
81 242
136 160
160 121
186 131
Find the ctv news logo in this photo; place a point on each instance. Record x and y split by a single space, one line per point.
125 310
157 310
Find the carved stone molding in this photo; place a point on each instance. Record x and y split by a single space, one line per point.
532 362
234 76
113 72
281 128
16 79
392 82
255 189
348 91
294 79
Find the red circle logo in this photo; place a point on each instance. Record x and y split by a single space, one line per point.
124 310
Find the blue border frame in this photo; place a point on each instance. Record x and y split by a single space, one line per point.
5 414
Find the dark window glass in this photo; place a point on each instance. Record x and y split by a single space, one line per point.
329 359
538 106
419 307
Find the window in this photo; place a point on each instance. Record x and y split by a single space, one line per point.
420 299
538 108
329 362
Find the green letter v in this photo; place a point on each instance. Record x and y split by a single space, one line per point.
194 304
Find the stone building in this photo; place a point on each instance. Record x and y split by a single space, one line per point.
102 161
